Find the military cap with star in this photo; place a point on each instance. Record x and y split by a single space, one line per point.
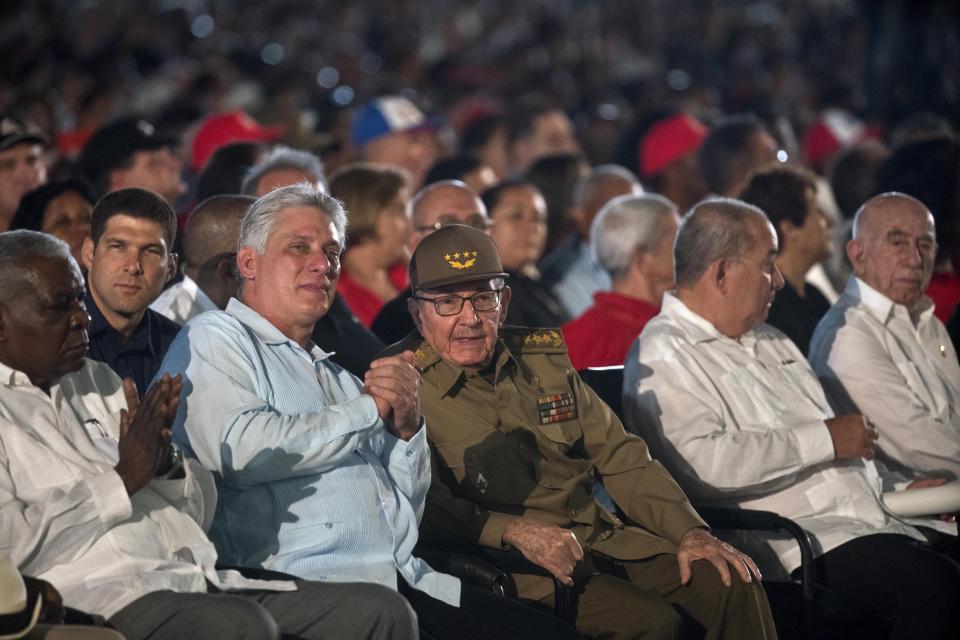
454 254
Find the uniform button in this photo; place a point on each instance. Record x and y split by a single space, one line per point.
328 525
503 403
523 445
472 457
536 379
567 437
573 512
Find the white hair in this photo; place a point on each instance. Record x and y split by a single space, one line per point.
626 224
262 215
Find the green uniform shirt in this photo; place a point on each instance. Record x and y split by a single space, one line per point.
527 440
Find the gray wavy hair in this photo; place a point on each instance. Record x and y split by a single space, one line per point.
625 224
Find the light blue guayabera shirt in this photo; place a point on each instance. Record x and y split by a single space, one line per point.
583 277
310 481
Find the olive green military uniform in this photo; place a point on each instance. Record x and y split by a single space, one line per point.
526 439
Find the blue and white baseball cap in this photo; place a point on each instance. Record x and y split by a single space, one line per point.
388 114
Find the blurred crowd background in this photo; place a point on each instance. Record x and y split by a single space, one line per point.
613 65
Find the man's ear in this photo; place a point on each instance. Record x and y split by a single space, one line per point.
855 251
413 308
718 274
247 263
504 303
787 230
86 253
172 260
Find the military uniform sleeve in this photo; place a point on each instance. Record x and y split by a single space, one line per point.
640 486
452 519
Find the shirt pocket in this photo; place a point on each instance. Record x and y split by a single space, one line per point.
921 391
490 468
749 401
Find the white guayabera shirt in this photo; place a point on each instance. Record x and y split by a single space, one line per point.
741 423
183 300
65 515
871 358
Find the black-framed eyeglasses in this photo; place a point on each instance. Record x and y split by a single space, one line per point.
452 304
478 221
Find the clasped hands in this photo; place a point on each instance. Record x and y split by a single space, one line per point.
394 384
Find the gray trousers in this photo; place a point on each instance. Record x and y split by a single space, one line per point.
316 610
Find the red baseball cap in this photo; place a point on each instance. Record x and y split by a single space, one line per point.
668 140
233 126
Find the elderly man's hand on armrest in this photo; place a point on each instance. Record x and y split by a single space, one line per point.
394 383
145 431
553 548
699 544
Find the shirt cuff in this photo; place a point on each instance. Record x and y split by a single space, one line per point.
362 411
492 533
110 496
814 442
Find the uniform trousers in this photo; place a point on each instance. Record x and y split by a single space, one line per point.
483 615
621 600
912 589
315 610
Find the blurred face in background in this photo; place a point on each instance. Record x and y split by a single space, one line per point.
68 217
392 228
519 226
158 170
22 169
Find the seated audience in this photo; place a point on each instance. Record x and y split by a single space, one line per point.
732 408
519 442
94 500
485 137
667 157
732 150
375 263
128 260
319 474
60 208
22 165
571 271
129 152
518 214
535 132
280 167
209 259
391 130
466 168
632 238
219 130
556 177
224 171
788 196
434 207
881 350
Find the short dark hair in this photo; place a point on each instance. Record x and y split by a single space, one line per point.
492 196
478 133
522 123
723 144
452 168
137 203
781 192
853 175
32 206
223 172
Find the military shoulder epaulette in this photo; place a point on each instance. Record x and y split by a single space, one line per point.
526 340
423 353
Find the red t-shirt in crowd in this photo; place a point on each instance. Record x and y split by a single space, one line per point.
602 335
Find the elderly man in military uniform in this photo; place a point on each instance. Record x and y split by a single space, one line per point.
518 441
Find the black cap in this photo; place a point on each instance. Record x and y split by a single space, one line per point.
13 132
112 145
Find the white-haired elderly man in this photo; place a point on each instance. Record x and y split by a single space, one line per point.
283 166
732 408
881 350
632 239
320 474
570 271
92 501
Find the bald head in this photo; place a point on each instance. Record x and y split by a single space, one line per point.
893 247
213 228
445 202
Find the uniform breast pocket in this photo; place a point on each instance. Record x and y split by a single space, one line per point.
748 399
489 468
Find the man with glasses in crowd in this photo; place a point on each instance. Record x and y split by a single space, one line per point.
432 208
518 441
